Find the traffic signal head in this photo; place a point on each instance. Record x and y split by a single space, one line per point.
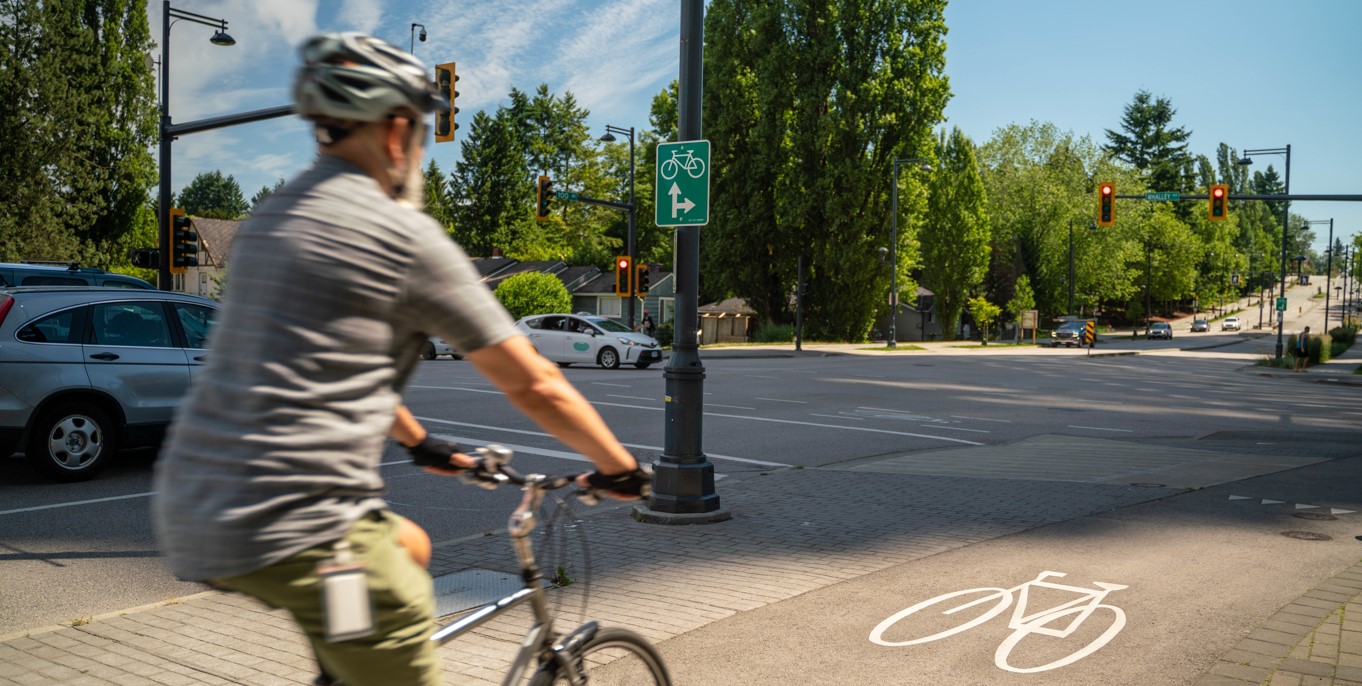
1106 204
184 242
543 198
641 279
445 81
622 274
1219 195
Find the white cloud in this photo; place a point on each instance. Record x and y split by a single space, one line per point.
361 15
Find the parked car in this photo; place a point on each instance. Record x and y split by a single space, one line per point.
572 338
437 346
1200 325
1069 334
64 274
87 371
1160 330
1230 324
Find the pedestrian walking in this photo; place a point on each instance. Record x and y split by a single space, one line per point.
647 325
269 483
1302 349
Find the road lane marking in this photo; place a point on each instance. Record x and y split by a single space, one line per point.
630 397
958 428
982 419
779 400
77 502
548 435
616 385
735 407
759 376
1100 428
836 416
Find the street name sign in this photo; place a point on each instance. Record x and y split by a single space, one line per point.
1166 196
682 184
566 195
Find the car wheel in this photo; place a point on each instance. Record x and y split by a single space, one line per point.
71 442
428 352
608 358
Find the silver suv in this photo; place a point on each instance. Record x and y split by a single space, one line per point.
87 371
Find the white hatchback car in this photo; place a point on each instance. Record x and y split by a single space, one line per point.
587 338
1230 324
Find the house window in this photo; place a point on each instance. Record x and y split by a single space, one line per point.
609 306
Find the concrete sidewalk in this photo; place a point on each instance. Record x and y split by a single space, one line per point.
794 532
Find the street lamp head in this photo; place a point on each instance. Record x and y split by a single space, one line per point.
926 168
221 37
1246 160
607 138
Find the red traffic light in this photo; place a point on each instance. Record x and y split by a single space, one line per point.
623 264
1106 204
1219 192
1106 189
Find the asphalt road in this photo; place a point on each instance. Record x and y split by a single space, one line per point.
78 550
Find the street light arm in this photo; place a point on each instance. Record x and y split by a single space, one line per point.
196 18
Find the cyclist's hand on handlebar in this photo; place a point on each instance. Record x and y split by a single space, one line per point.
631 485
440 456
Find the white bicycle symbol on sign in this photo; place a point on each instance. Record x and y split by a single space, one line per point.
687 160
1022 624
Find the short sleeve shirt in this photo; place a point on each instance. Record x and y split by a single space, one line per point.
332 292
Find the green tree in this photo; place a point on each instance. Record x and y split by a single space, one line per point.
213 195
984 313
533 293
1149 142
955 234
80 119
439 201
808 104
265 192
491 189
1023 299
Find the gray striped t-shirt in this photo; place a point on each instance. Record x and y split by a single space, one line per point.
332 292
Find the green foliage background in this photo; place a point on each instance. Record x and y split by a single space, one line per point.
533 293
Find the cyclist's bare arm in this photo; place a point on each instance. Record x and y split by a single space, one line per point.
536 387
409 432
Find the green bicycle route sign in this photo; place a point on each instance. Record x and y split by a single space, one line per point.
682 183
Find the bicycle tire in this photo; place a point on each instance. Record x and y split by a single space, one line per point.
699 166
675 167
1005 600
1005 648
602 659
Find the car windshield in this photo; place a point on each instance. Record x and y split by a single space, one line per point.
1072 326
608 324
1161 326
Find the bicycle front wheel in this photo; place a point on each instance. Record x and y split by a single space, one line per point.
613 657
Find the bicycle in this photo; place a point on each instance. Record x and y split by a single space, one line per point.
1022 624
687 160
589 654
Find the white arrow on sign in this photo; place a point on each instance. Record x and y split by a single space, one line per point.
682 206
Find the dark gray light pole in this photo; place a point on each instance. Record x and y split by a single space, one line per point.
412 49
220 37
1286 216
630 243
683 482
1329 268
894 247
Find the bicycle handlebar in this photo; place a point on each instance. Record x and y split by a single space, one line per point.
490 470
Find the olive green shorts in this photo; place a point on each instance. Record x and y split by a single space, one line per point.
399 650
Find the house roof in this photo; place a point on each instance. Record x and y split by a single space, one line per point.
729 306
216 235
497 277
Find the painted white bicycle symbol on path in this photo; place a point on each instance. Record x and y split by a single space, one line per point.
1022 624
682 160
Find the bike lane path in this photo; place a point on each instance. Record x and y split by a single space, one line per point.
1216 594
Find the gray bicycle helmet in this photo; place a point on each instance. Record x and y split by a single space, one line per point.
359 78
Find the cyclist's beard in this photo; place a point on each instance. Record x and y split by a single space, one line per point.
411 191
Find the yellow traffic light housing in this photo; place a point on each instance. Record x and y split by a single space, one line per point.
1219 196
1106 204
622 274
543 198
641 279
184 242
445 81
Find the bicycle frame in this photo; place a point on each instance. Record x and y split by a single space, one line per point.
539 638
1091 596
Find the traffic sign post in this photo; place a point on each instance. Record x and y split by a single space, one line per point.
1281 304
682 184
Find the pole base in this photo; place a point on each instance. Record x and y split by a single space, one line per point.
648 516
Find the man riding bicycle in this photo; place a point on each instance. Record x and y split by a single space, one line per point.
269 480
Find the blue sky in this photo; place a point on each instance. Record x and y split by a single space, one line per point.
1250 73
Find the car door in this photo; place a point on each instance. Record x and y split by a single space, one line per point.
194 321
579 345
546 335
131 355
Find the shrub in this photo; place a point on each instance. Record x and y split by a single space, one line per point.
533 293
1320 348
1347 335
665 332
774 333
